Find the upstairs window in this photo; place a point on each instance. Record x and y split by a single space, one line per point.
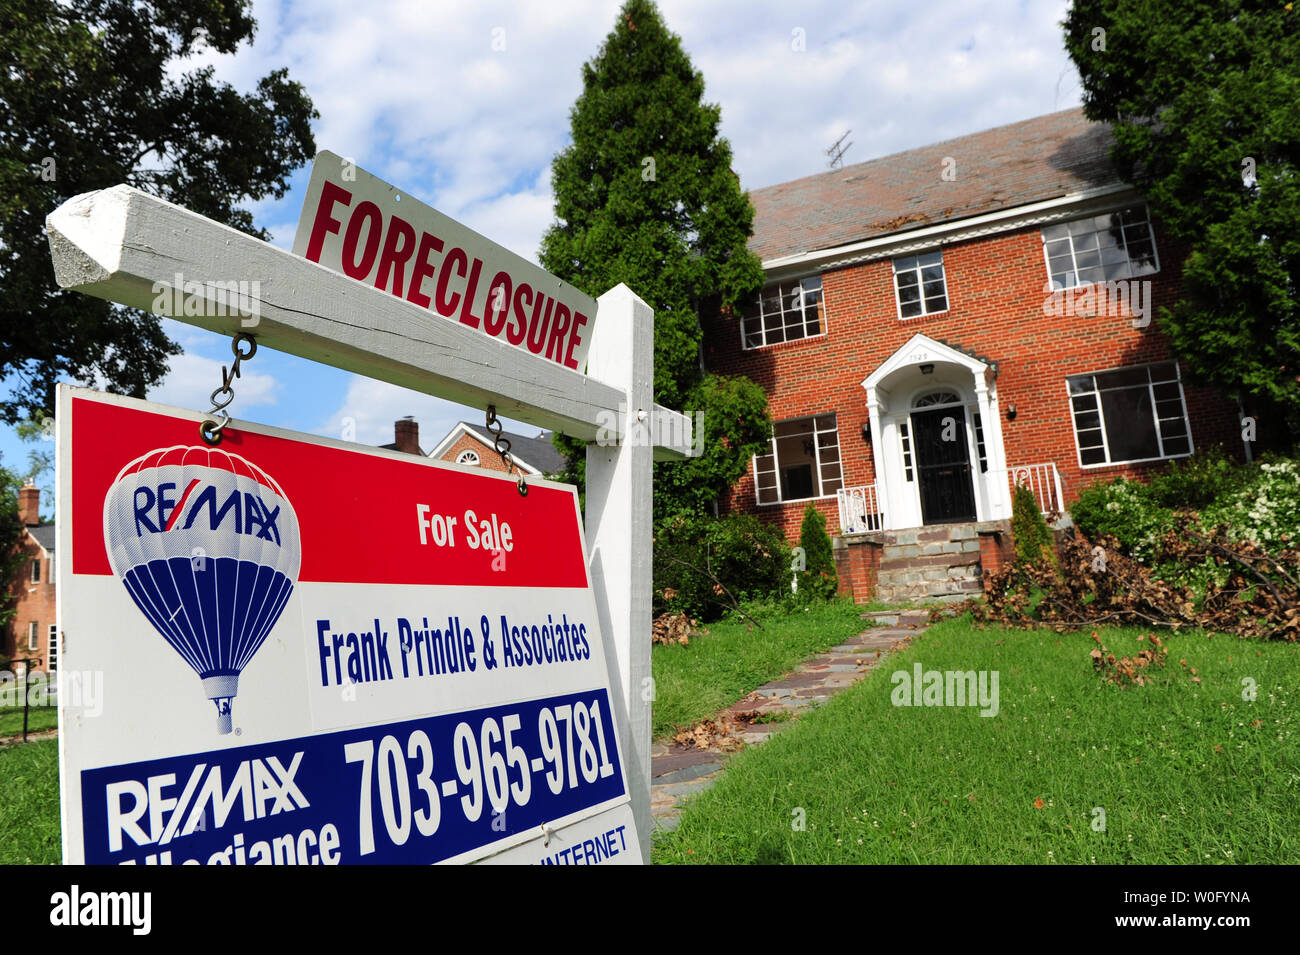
36 571
804 463
33 636
919 285
1104 248
785 312
467 457
1130 414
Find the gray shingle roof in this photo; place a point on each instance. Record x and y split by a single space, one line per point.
44 534
538 452
1001 168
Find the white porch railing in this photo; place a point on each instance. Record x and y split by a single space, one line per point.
1045 483
859 510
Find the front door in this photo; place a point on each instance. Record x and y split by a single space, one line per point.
943 465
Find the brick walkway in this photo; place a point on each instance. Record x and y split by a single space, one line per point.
678 772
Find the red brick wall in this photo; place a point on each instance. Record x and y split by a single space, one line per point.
995 295
857 564
487 458
36 605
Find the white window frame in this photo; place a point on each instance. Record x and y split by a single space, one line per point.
465 456
1160 445
918 268
33 636
35 576
1074 259
784 289
817 458
52 648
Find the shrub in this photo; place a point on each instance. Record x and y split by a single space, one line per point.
699 561
1033 540
1124 510
818 579
1264 509
1199 481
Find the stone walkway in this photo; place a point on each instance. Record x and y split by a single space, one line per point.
678 771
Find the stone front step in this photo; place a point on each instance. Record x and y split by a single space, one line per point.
938 563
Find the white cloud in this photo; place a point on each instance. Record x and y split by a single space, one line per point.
191 379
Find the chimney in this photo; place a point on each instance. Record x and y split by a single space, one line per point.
407 434
29 504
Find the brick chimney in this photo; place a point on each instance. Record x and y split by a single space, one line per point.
407 435
29 504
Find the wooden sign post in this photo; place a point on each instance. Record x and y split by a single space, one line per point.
126 246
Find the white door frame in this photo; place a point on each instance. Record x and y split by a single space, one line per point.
891 391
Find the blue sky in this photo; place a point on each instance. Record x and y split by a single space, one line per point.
418 93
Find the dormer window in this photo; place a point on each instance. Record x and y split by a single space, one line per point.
784 312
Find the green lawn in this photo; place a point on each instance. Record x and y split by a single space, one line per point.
29 803
1185 772
38 718
717 668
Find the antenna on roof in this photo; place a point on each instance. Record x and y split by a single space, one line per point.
837 151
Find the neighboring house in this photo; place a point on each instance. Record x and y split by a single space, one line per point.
944 323
33 629
473 445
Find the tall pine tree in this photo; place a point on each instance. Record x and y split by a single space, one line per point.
645 195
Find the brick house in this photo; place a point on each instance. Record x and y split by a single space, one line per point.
473 445
33 629
942 324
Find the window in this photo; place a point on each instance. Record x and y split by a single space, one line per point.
467 457
906 439
919 285
785 312
1130 414
804 463
52 648
36 571
33 635
1104 248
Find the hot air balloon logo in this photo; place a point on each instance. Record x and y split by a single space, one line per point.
207 546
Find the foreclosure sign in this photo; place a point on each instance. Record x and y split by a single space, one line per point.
311 652
364 228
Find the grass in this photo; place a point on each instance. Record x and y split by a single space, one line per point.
1184 772
38 718
29 803
717 668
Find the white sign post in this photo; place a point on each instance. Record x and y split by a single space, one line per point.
123 245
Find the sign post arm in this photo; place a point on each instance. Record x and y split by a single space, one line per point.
619 522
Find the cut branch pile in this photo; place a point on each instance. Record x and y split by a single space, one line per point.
1252 593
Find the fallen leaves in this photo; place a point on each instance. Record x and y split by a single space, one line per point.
711 734
672 628
1124 670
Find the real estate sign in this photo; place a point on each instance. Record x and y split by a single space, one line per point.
312 652
360 226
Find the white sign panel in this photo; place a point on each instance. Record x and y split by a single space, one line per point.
310 652
360 226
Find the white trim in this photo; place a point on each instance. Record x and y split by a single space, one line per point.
462 429
1106 198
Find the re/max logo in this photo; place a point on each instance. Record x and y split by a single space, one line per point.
158 511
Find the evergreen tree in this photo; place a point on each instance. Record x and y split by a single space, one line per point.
645 196
818 578
1204 100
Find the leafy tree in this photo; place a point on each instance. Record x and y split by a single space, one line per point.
645 195
89 98
1204 100
818 578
